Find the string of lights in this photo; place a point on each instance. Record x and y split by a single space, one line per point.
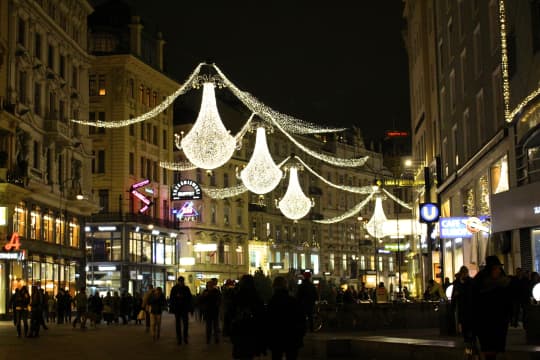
150 114
351 189
332 160
399 201
350 213
292 124
524 103
225 192
504 61
177 166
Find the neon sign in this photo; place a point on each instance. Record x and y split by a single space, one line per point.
13 243
133 191
463 227
186 190
187 212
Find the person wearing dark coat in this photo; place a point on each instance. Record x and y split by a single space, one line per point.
286 322
20 303
248 326
491 307
461 302
211 302
181 304
36 304
307 296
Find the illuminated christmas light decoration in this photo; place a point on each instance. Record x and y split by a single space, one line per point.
294 204
150 114
290 123
178 166
332 160
375 225
208 144
350 213
399 201
504 61
524 103
351 189
261 175
224 193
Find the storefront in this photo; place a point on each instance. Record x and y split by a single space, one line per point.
129 257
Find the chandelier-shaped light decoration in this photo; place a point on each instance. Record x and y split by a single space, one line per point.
294 204
261 175
208 145
375 224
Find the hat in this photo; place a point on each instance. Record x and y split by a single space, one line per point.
493 260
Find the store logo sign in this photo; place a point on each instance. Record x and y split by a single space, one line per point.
186 190
429 212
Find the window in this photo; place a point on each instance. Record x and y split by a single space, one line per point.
36 155
165 140
37 45
499 176
37 98
21 32
213 214
444 154
461 14
131 85
50 57
511 47
35 224
477 48
480 116
165 176
131 127
141 94
62 110
101 85
131 163
441 57
452 79
143 163
450 29
63 66
155 135
21 91
225 180
147 97
497 97
493 25
75 77
443 104
103 200
154 98
463 72
101 162
226 215
535 25
455 146
92 85
466 134
142 131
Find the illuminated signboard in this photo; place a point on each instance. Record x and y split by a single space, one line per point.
186 190
14 243
396 133
187 212
146 201
429 212
463 227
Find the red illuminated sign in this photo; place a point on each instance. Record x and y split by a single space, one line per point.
396 133
146 201
13 243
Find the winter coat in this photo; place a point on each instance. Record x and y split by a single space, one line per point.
286 322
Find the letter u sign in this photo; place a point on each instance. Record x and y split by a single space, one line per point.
429 212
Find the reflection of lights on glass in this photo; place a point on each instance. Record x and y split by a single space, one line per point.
536 292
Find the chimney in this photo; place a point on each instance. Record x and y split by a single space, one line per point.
159 50
135 29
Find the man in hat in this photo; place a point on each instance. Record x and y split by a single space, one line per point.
491 307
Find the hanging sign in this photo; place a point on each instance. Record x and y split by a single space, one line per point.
135 192
14 243
463 227
429 212
186 190
187 212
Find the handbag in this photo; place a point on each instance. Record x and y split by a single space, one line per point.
141 315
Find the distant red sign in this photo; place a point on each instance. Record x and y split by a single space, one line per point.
397 133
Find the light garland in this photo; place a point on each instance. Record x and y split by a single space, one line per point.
375 225
225 192
351 189
350 213
150 114
261 175
524 103
294 204
320 156
504 61
178 166
292 124
399 201
208 144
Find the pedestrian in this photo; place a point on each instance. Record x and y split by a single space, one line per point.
286 322
108 312
60 306
116 307
126 302
68 301
227 294
491 307
51 304
157 304
21 302
146 307
36 311
248 327
307 296
211 301
95 307
181 304
81 304
434 291
137 307
381 294
462 305
11 305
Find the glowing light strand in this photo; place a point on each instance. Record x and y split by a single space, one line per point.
524 103
292 124
399 201
150 114
323 157
177 166
504 61
352 212
351 189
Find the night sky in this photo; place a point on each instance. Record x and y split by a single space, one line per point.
341 64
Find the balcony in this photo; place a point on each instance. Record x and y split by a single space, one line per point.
256 207
57 131
130 217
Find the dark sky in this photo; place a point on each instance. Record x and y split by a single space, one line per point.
340 64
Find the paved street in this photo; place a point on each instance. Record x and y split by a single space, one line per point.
117 341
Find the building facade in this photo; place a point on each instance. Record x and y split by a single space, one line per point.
44 157
131 242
